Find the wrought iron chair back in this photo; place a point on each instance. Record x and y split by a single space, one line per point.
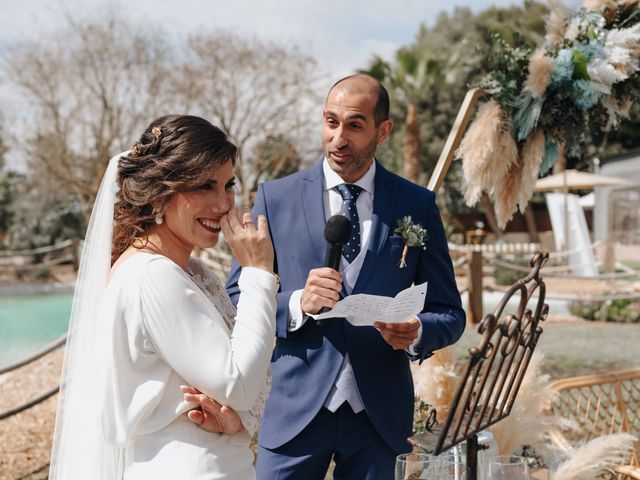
495 368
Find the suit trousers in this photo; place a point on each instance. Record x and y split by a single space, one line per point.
349 438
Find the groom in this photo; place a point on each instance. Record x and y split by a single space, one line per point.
341 391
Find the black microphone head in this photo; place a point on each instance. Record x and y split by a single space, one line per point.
337 230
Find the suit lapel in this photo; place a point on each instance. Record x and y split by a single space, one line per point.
313 206
384 205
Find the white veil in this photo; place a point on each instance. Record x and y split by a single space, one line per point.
79 451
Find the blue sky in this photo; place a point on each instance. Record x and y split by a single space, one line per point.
342 35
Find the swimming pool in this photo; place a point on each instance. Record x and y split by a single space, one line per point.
28 322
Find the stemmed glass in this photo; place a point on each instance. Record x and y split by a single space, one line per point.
414 466
508 467
421 466
453 466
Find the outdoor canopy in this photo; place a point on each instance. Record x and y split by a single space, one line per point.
575 180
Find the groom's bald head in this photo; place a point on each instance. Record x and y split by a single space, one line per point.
363 84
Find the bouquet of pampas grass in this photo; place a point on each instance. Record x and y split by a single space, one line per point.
487 150
435 382
540 100
516 187
540 68
528 424
532 154
506 194
555 23
596 5
596 457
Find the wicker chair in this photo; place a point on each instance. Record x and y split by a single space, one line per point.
601 405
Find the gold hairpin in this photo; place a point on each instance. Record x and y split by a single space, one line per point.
135 150
156 132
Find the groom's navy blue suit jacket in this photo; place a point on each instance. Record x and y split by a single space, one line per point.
305 363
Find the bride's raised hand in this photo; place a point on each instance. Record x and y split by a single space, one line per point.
211 416
250 243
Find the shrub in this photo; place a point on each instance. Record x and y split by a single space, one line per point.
625 311
585 309
508 276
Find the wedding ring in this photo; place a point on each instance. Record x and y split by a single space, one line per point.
246 223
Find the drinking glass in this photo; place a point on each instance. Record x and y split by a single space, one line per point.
508 467
414 466
452 466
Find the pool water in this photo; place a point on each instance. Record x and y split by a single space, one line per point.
29 322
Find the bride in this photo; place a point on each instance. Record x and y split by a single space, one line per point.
147 318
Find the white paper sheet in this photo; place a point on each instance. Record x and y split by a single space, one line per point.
363 309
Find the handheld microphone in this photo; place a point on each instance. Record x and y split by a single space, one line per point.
336 232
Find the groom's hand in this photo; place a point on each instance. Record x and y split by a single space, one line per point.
211 416
399 335
321 290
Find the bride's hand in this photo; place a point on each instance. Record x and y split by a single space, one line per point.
250 243
211 416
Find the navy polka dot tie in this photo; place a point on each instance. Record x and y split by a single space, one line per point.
349 196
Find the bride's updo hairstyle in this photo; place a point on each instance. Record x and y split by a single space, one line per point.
176 153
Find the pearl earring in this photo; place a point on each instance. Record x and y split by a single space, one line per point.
159 220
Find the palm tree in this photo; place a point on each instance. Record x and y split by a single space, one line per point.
410 81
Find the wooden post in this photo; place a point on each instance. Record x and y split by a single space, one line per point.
532 229
455 137
610 258
437 179
474 309
490 216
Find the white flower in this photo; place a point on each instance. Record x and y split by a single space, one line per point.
603 74
618 48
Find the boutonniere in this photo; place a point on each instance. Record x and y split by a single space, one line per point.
412 234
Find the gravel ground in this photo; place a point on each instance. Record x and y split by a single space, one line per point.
571 347
25 438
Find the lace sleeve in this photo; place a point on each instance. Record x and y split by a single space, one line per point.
192 336
213 288
251 418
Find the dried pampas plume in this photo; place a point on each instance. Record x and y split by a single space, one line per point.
527 424
506 188
532 153
540 68
435 382
621 49
479 150
555 23
596 457
598 5
603 75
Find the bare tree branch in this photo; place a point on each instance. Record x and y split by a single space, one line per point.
93 87
95 84
253 90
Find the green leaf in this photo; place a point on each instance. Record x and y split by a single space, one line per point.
579 65
551 153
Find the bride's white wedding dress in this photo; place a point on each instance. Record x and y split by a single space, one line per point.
161 328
